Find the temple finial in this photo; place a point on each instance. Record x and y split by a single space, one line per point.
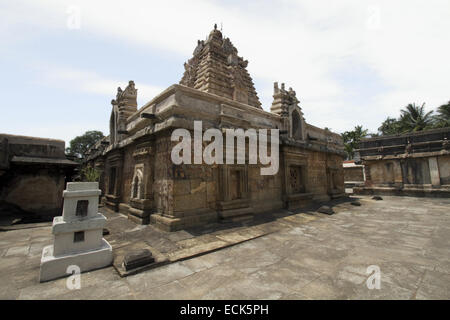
215 26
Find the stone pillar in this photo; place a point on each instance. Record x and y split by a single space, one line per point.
434 171
78 234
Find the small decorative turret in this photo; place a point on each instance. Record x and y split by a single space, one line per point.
283 100
123 107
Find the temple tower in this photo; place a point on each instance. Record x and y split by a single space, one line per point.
216 68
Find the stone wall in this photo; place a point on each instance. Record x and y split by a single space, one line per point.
217 90
33 175
353 174
180 196
411 164
444 169
35 190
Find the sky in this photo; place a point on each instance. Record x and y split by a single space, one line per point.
351 62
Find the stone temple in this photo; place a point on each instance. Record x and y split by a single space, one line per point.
139 179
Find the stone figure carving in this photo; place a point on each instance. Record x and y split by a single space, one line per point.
288 98
228 47
130 91
293 97
189 73
119 94
127 96
276 90
446 144
199 47
408 147
136 186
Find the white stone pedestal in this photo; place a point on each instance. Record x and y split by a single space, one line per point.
78 234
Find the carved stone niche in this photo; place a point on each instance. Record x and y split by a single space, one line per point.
141 193
335 185
113 184
233 192
295 177
297 125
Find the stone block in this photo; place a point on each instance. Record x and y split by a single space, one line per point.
138 259
181 187
56 267
326 209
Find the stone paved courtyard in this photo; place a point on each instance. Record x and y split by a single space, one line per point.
309 256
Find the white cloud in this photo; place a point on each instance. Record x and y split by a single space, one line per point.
91 82
298 42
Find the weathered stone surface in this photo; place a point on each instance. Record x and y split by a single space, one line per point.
416 164
326 210
216 68
33 172
137 259
321 258
141 181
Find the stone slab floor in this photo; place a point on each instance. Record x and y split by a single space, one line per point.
314 256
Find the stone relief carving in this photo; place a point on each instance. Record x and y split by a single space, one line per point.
127 96
295 179
137 186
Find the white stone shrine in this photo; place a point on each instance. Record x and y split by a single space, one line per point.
78 234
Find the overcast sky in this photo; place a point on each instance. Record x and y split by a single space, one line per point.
351 62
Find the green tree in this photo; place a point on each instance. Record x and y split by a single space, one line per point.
79 145
390 126
89 174
442 119
352 139
414 118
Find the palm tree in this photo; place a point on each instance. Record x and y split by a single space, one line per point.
389 126
442 119
352 140
414 118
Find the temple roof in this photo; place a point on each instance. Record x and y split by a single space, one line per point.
216 68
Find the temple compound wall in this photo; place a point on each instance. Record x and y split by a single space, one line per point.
353 175
33 173
416 164
140 179
353 172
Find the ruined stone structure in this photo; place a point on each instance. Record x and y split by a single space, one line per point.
33 172
139 178
416 164
353 172
353 175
